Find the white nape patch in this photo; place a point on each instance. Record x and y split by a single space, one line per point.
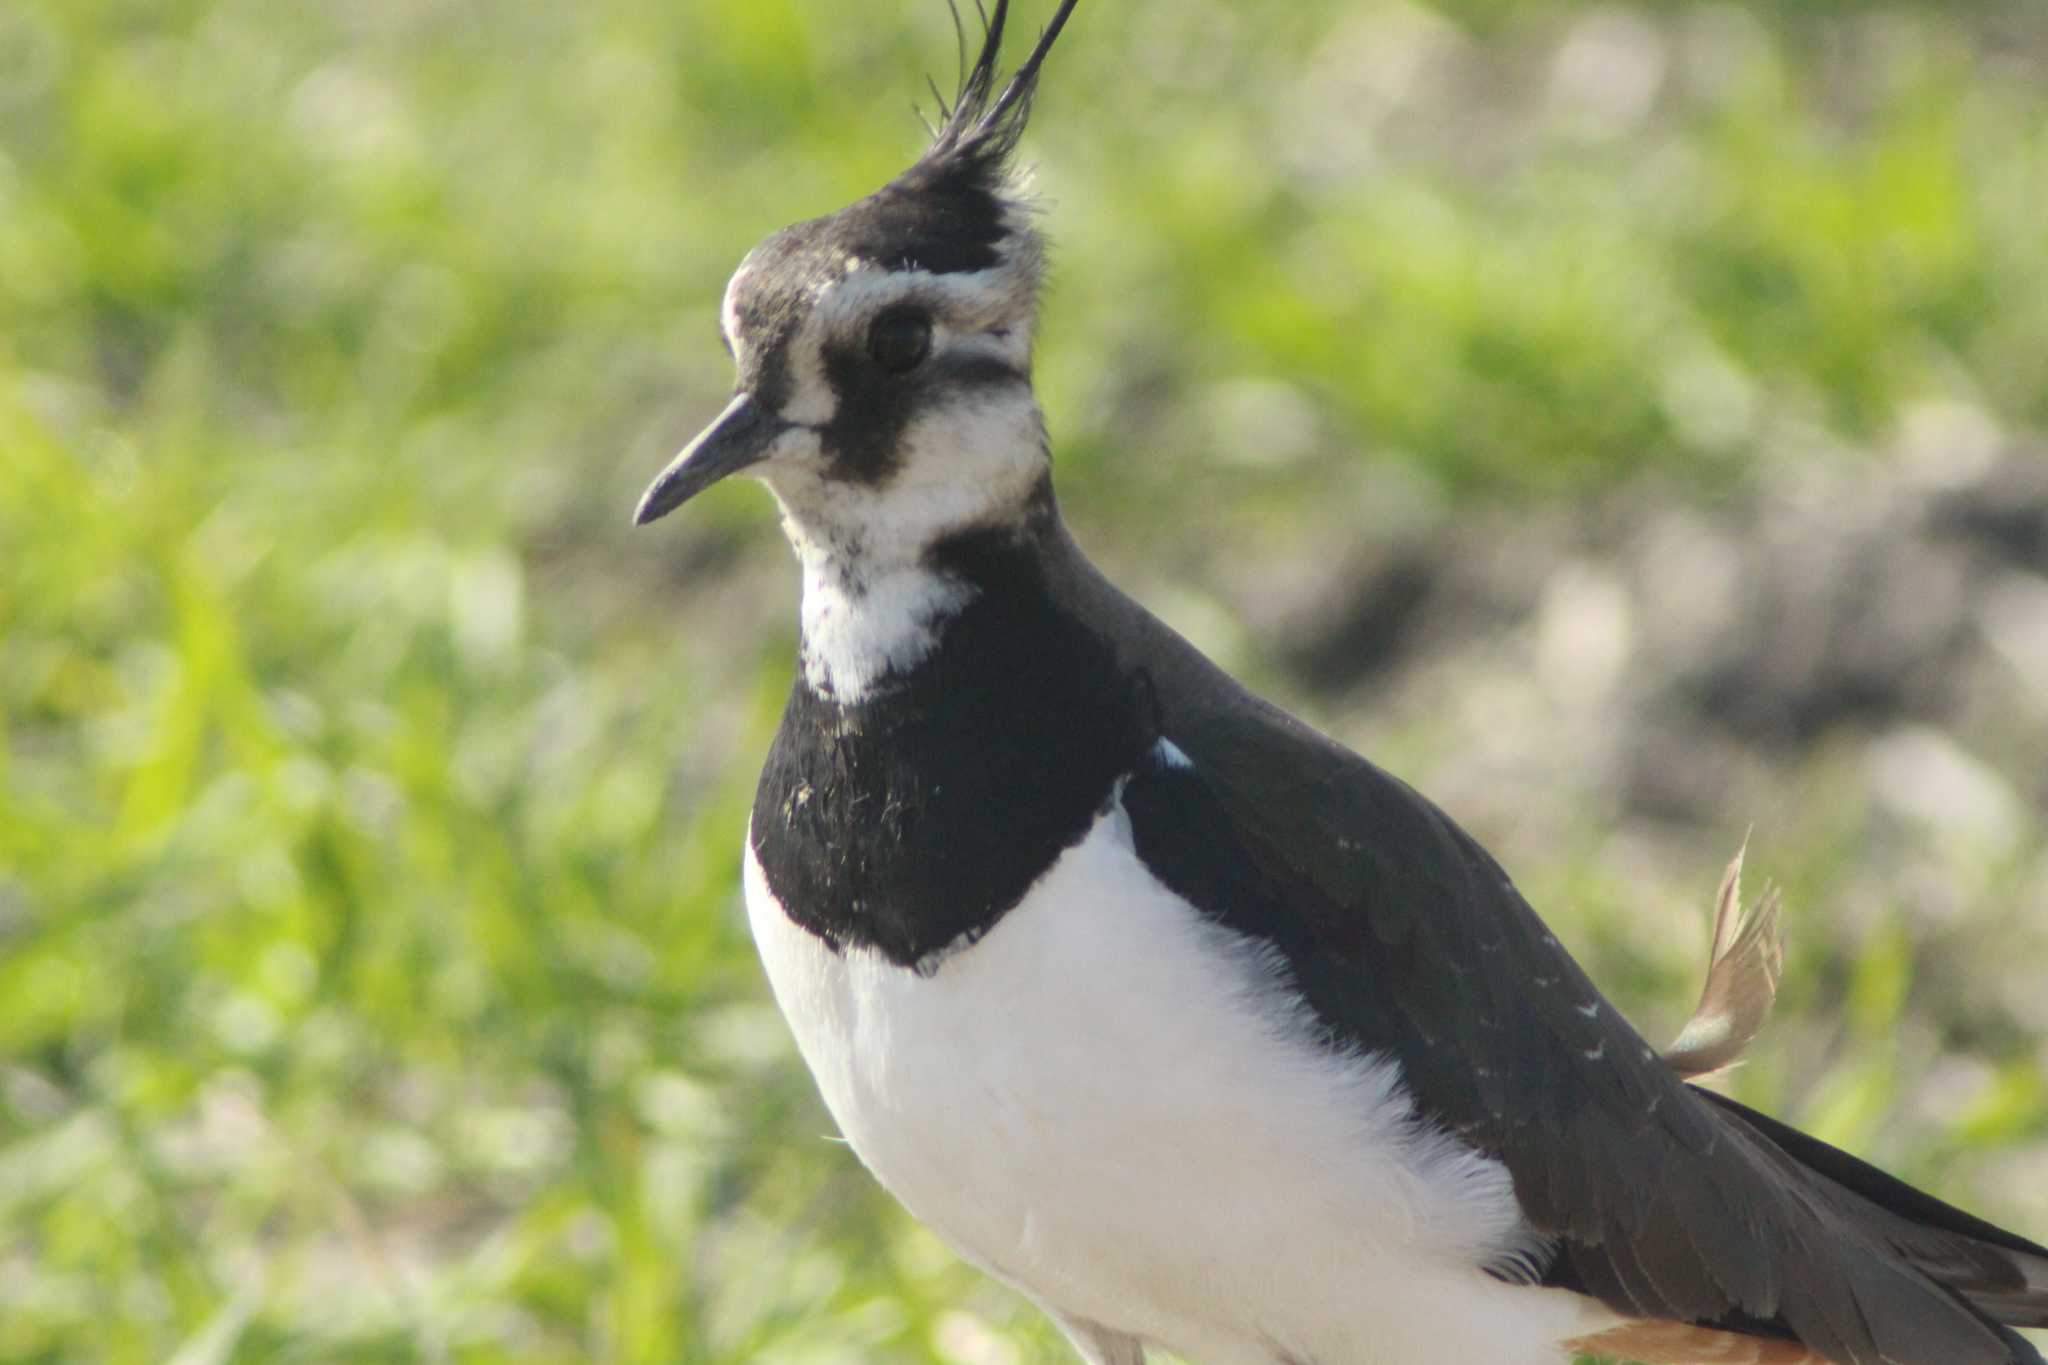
1172 755
1122 1109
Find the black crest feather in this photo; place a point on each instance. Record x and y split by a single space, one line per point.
981 129
953 210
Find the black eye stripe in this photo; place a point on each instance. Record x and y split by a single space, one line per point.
977 370
873 410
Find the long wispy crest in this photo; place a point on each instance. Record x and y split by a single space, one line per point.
981 128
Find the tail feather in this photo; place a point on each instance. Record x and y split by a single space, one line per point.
2002 1276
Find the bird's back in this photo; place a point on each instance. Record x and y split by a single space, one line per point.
1673 1206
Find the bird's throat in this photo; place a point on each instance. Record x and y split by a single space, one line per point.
878 596
865 629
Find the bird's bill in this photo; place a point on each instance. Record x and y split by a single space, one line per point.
740 436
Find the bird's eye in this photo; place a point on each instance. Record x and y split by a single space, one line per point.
900 339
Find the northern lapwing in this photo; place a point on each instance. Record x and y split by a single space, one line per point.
1195 1027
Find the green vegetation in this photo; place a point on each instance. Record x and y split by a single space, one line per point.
372 984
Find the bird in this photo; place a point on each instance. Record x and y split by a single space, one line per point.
1202 1032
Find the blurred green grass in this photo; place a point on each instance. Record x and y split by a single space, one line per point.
370 980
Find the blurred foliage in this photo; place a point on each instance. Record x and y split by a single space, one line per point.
371 983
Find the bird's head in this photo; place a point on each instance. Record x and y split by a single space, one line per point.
884 351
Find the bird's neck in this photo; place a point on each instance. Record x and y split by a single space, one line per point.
911 817
862 631
875 610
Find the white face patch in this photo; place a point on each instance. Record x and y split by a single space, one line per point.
871 603
973 461
969 455
985 312
812 402
996 303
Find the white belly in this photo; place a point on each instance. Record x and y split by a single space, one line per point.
1112 1104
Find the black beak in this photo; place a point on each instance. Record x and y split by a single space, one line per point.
740 436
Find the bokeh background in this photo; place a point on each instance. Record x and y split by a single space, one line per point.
1625 422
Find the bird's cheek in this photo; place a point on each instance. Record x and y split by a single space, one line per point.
797 459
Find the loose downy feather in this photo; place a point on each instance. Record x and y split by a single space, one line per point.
1743 969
